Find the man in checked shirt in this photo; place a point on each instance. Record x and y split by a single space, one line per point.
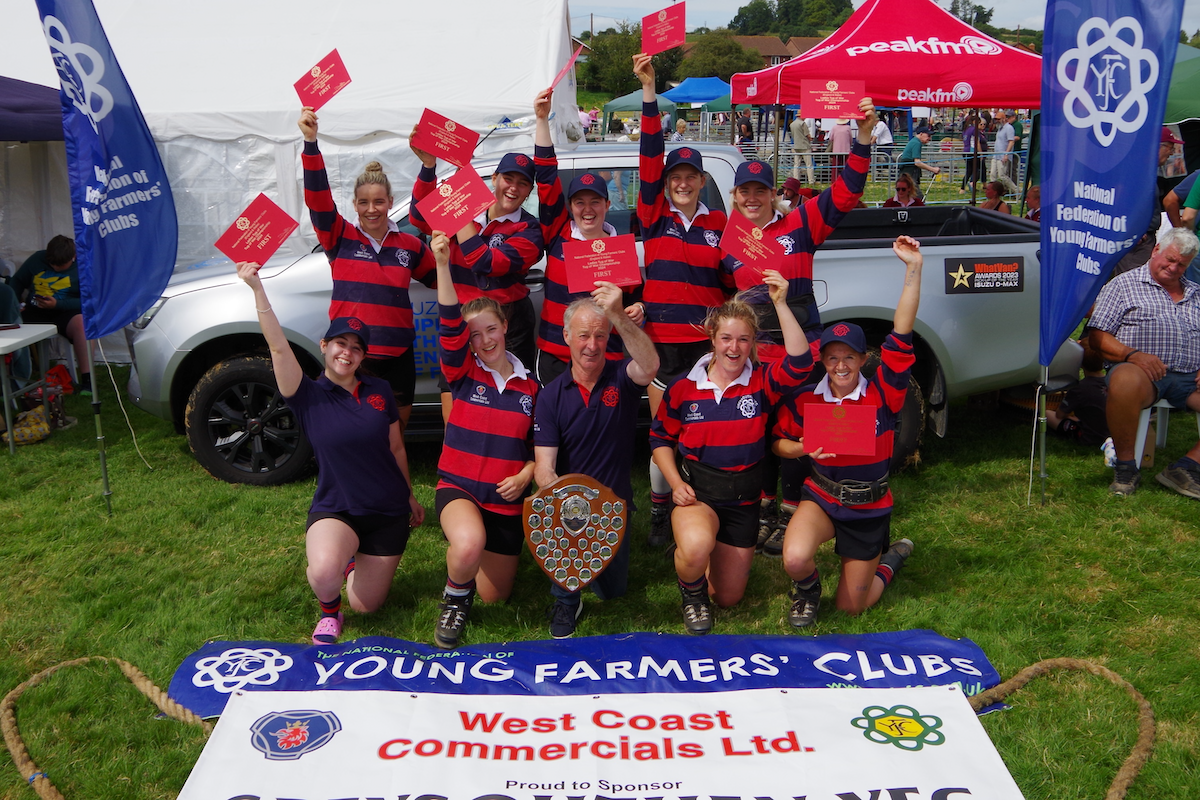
1146 324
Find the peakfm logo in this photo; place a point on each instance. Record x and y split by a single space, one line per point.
959 93
933 46
1107 75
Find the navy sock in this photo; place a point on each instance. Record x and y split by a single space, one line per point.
660 497
331 608
1188 464
693 587
459 589
808 582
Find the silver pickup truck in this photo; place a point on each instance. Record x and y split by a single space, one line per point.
200 360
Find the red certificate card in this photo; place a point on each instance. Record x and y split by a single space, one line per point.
832 99
257 232
746 242
445 139
663 30
613 259
842 430
562 73
323 81
456 202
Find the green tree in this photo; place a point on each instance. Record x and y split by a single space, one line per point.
666 68
719 54
1195 40
754 19
610 66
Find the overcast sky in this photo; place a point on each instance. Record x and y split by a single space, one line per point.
714 13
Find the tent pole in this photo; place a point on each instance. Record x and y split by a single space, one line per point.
99 431
1042 427
778 116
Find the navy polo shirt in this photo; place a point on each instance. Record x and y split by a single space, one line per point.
597 438
357 473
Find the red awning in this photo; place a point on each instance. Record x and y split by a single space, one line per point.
910 53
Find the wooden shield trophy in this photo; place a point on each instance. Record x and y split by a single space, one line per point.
573 528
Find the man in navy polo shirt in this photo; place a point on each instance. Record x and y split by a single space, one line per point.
586 419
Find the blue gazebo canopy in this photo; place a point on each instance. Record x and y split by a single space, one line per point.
697 90
29 112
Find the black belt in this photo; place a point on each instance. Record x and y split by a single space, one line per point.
852 493
724 487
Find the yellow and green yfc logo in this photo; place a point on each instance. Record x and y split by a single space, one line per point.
902 726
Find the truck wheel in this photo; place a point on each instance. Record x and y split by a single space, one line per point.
909 424
240 429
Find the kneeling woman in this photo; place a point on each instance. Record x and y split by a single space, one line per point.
847 497
363 508
716 417
486 464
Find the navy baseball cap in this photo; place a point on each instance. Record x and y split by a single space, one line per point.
847 333
340 326
755 172
922 129
517 162
589 182
684 155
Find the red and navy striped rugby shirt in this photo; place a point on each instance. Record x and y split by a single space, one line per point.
683 275
368 285
489 436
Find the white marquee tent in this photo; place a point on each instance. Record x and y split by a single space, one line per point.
215 83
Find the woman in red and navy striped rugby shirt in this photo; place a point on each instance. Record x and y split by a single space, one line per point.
373 264
486 463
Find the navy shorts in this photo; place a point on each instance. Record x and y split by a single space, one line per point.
505 532
858 539
378 534
738 525
1175 388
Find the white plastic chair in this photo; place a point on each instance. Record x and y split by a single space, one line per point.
1163 409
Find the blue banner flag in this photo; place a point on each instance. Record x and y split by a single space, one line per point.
126 232
631 663
1106 68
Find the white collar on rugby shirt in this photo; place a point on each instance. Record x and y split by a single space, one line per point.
699 374
823 390
392 228
609 230
687 223
482 219
519 370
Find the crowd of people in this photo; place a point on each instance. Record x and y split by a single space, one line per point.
727 352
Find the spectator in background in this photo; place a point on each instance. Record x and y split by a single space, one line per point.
974 144
1033 199
794 193
1144 324
1081 415
839 147
48 284
881 139
910 160
994 191
1004 160
906 193
680 134
1141 251
802 145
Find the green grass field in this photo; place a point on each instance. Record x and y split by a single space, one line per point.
185 558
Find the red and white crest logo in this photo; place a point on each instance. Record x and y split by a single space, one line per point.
377 402
522 161
841 329
755 167
354 323
291 735
588 179
610 396
685 153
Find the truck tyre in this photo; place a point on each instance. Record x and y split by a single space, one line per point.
240 428
910 422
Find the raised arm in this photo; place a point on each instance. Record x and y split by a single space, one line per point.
440 245
645 358
908 250
288 373
552 206
867 124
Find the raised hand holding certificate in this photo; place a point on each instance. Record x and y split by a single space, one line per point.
323 81
746 242
456 201
257 232
589 260
445 138
843 430
832 99
664 29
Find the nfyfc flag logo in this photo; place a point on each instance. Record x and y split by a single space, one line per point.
287 735
1107 76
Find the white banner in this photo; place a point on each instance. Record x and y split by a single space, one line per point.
921 743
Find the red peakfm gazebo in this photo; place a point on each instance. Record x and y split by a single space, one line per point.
909 53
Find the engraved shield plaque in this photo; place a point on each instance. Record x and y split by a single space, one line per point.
573 528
